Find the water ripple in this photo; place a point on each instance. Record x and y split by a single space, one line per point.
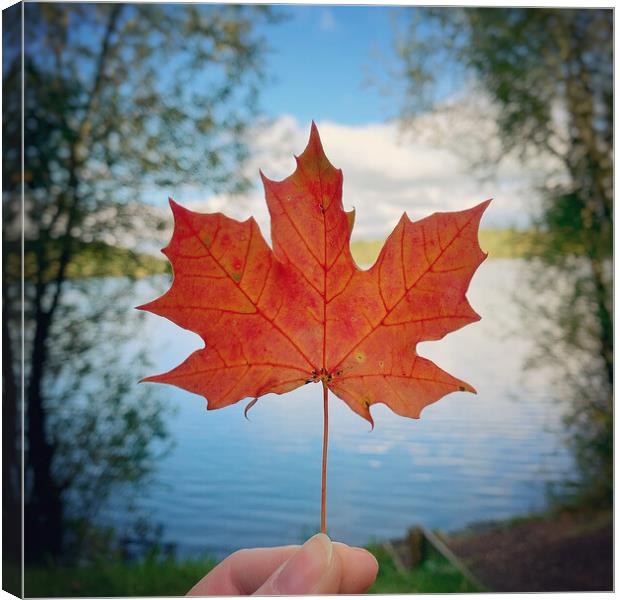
230 483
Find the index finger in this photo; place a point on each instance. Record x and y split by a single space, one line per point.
243 572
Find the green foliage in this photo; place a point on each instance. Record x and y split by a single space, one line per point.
432 576
93 259
548 75
119 100
98 259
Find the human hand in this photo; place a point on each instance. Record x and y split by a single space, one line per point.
317 567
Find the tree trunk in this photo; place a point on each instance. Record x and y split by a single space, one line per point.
43 511
11 444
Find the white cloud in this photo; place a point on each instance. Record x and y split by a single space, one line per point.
385 174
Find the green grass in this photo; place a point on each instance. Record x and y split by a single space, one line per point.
435 575
11 577
151 577
148 577
499 243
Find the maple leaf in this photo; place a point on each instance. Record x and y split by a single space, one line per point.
274 319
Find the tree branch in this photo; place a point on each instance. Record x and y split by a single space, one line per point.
115 12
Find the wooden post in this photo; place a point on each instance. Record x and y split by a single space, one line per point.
415 539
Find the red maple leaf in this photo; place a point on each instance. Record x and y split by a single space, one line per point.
274 319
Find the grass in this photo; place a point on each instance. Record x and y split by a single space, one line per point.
148 577
11 577
170 577
435 575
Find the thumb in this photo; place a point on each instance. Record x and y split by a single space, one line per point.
314 569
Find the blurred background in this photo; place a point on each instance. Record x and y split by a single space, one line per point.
424 110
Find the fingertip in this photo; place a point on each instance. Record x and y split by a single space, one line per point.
366 560
359 569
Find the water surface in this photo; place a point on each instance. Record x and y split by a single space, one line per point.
232 483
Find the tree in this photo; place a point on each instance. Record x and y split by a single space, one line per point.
548 74
119 100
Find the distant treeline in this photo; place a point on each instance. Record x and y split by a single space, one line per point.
499 243
98 259
94 259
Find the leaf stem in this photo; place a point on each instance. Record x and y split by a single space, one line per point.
324 470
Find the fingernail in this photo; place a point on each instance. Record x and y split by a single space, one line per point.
305 568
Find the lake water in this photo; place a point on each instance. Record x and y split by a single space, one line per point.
231 483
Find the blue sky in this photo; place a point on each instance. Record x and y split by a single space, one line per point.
319 65
321 57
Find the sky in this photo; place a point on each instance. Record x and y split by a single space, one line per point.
321 58
320 61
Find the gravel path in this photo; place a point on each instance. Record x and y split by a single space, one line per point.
566 552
